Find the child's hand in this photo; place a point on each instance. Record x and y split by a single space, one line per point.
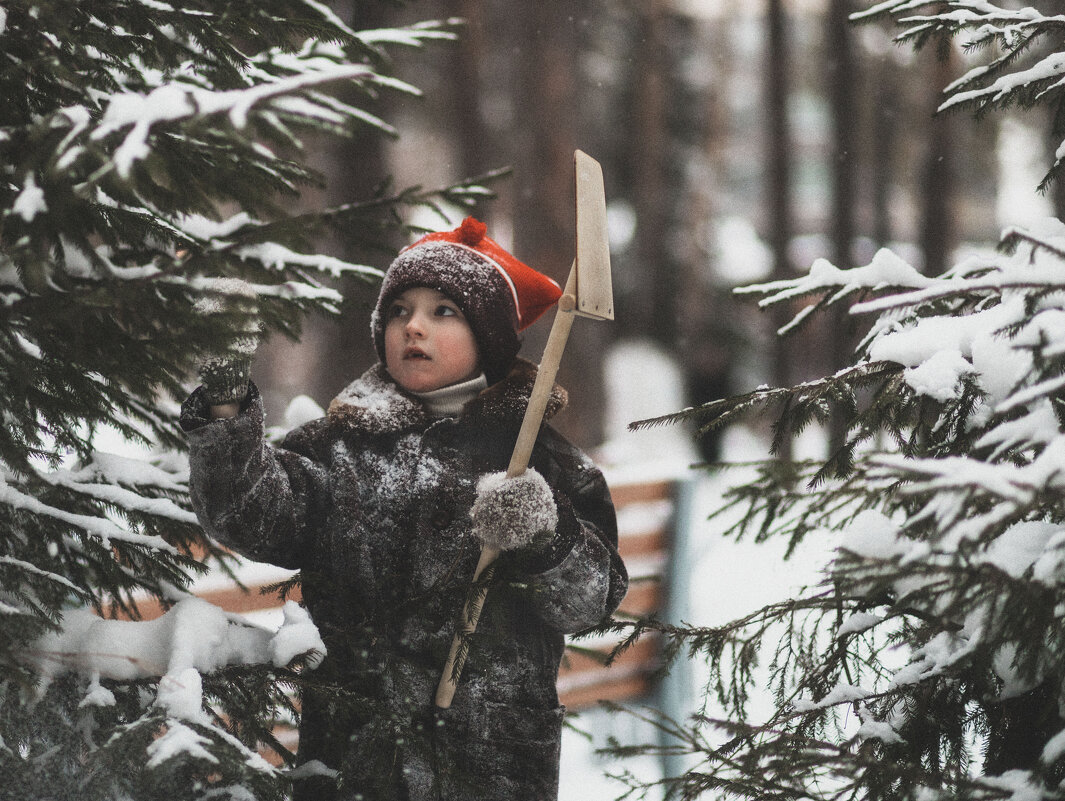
225 376
510 512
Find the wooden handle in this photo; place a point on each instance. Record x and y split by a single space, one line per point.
471 613
519 462
545 378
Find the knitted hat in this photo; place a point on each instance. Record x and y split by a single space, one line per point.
498 295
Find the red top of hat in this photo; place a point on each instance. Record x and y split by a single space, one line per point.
533 292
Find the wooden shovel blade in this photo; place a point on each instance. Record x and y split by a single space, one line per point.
595 292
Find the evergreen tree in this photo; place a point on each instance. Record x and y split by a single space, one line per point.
151 154
930 662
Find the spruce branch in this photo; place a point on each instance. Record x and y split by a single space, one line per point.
123 136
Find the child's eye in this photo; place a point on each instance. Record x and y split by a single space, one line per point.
396 310
443 310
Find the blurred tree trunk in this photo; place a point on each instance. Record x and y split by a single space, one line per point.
543 39
465 63
475 68
938 229
778 180
885 117
842 81
653 314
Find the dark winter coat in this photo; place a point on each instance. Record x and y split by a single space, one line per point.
371 503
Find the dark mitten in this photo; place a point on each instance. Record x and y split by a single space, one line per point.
511 513
225 376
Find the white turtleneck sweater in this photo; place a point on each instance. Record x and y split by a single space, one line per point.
448 401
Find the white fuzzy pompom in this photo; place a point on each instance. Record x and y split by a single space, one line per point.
509 512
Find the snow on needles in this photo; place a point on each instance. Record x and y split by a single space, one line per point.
992 344
192 638
984 344
30 201
175 101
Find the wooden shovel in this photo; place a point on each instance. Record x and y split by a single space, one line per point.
588 293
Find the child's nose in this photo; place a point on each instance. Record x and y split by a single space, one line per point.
416 324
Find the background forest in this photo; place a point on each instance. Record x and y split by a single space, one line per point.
148 156
739 141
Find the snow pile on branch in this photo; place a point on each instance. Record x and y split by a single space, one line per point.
192 638
992 343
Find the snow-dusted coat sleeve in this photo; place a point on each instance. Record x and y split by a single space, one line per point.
264 502
578 580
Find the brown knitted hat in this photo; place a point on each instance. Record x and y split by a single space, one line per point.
498 294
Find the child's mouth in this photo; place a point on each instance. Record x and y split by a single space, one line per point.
414 353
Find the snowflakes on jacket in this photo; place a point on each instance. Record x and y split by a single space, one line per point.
372 504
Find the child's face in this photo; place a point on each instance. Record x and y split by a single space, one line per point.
428 343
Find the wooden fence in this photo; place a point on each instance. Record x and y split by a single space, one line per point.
646 515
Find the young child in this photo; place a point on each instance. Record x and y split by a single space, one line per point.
384 504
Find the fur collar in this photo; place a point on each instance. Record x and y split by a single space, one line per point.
374 403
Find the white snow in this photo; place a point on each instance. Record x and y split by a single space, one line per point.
192 638
884 271
1051 66
939 374
76 262
857 623
181 695
178 740
97 695
28 347
411 36
313 768
999 365
872 535
155 5
192 634
177 100
225 291
297 635
1020 784
1018 548
302 409
915 344
940 653
276 256
30 201
106 477
100 527
30 568
329 15
641 381
1049 568
840 694
1054 749
1004 664
871 728
207 229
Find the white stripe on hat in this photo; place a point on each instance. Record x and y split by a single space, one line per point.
499 269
